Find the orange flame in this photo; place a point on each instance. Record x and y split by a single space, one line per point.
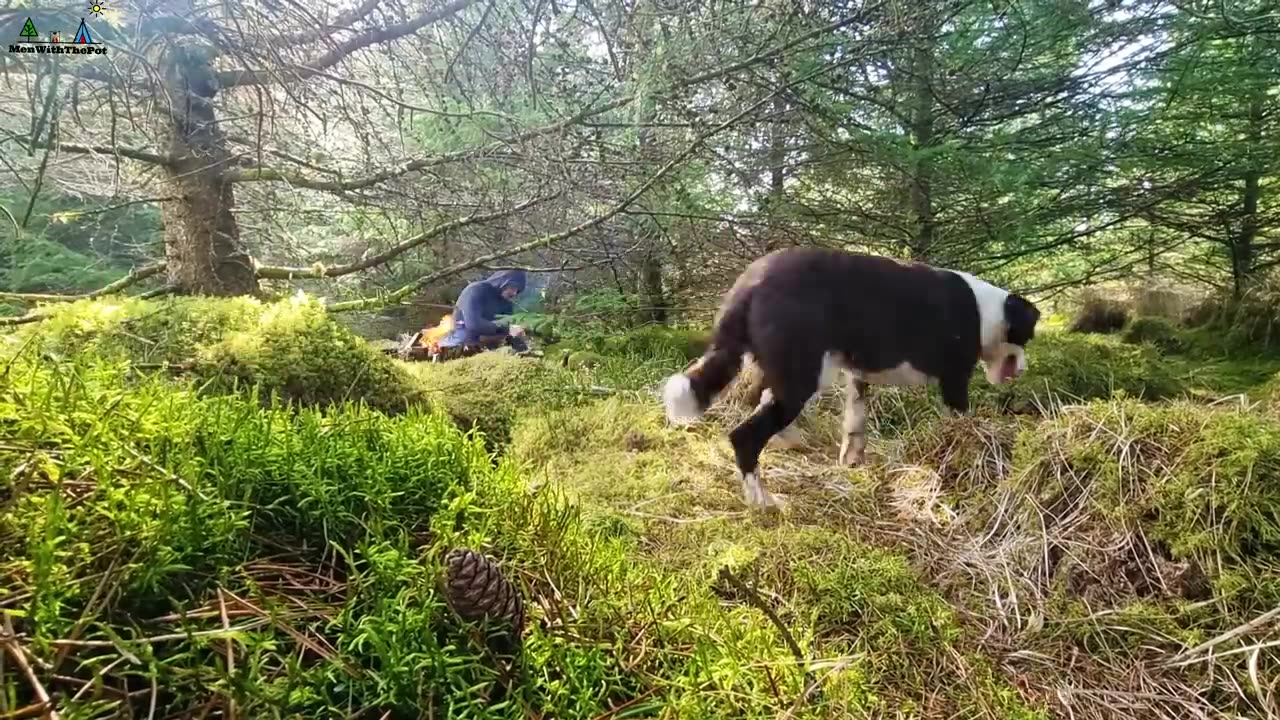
431 338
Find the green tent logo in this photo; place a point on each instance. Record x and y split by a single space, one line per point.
29 30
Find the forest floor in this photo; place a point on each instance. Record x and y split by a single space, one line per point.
1101 540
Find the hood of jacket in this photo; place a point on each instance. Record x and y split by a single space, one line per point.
503 278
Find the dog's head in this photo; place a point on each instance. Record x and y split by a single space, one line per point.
1004 356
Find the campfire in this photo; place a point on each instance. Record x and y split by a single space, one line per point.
431 338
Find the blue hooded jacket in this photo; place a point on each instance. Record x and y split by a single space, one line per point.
479 304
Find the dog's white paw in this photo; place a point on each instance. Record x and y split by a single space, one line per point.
851 456
756 496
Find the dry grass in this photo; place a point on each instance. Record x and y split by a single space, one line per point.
1077 586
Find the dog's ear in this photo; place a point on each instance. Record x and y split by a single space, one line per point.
1021 315
1018 309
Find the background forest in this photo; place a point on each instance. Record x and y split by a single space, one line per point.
220 499
643 151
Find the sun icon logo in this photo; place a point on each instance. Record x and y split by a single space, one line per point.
95 10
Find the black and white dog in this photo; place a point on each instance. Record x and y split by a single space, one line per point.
806 313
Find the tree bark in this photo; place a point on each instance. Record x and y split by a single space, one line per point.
1242 247
202 237
651 265
651 283
922 127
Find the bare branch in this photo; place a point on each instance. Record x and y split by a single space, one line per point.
292 273
548 240
269 174
134 277
106 150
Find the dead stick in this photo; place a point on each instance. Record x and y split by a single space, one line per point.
231 653
20 657
29 711
758 602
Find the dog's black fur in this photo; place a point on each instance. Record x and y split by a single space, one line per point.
804 312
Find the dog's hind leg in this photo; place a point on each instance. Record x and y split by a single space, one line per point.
786 400
791 437
853 449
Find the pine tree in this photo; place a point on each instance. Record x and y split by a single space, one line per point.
29 29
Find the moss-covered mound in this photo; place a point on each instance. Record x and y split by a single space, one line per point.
1161 333
488 391
1202 484
1069 367
290 348
1101 315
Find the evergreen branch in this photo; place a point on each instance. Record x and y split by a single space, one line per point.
235 78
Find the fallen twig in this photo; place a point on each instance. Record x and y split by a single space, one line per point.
758 602
10 641
230 650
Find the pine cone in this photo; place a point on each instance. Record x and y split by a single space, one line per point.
476 590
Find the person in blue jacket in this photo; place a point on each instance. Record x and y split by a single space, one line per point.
475 323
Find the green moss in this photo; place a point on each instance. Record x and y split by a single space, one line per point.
143 508
646 342
488 391
290 348
658 341
294 349
670 498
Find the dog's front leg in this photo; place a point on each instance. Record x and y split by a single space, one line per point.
955 396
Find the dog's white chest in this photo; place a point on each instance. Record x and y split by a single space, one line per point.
903 374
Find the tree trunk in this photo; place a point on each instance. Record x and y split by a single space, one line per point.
650 281
776 156
922 126
202 238
1242 246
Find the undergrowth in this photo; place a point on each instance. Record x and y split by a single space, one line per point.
212 505
172 553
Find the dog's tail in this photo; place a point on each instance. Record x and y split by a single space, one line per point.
687 395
